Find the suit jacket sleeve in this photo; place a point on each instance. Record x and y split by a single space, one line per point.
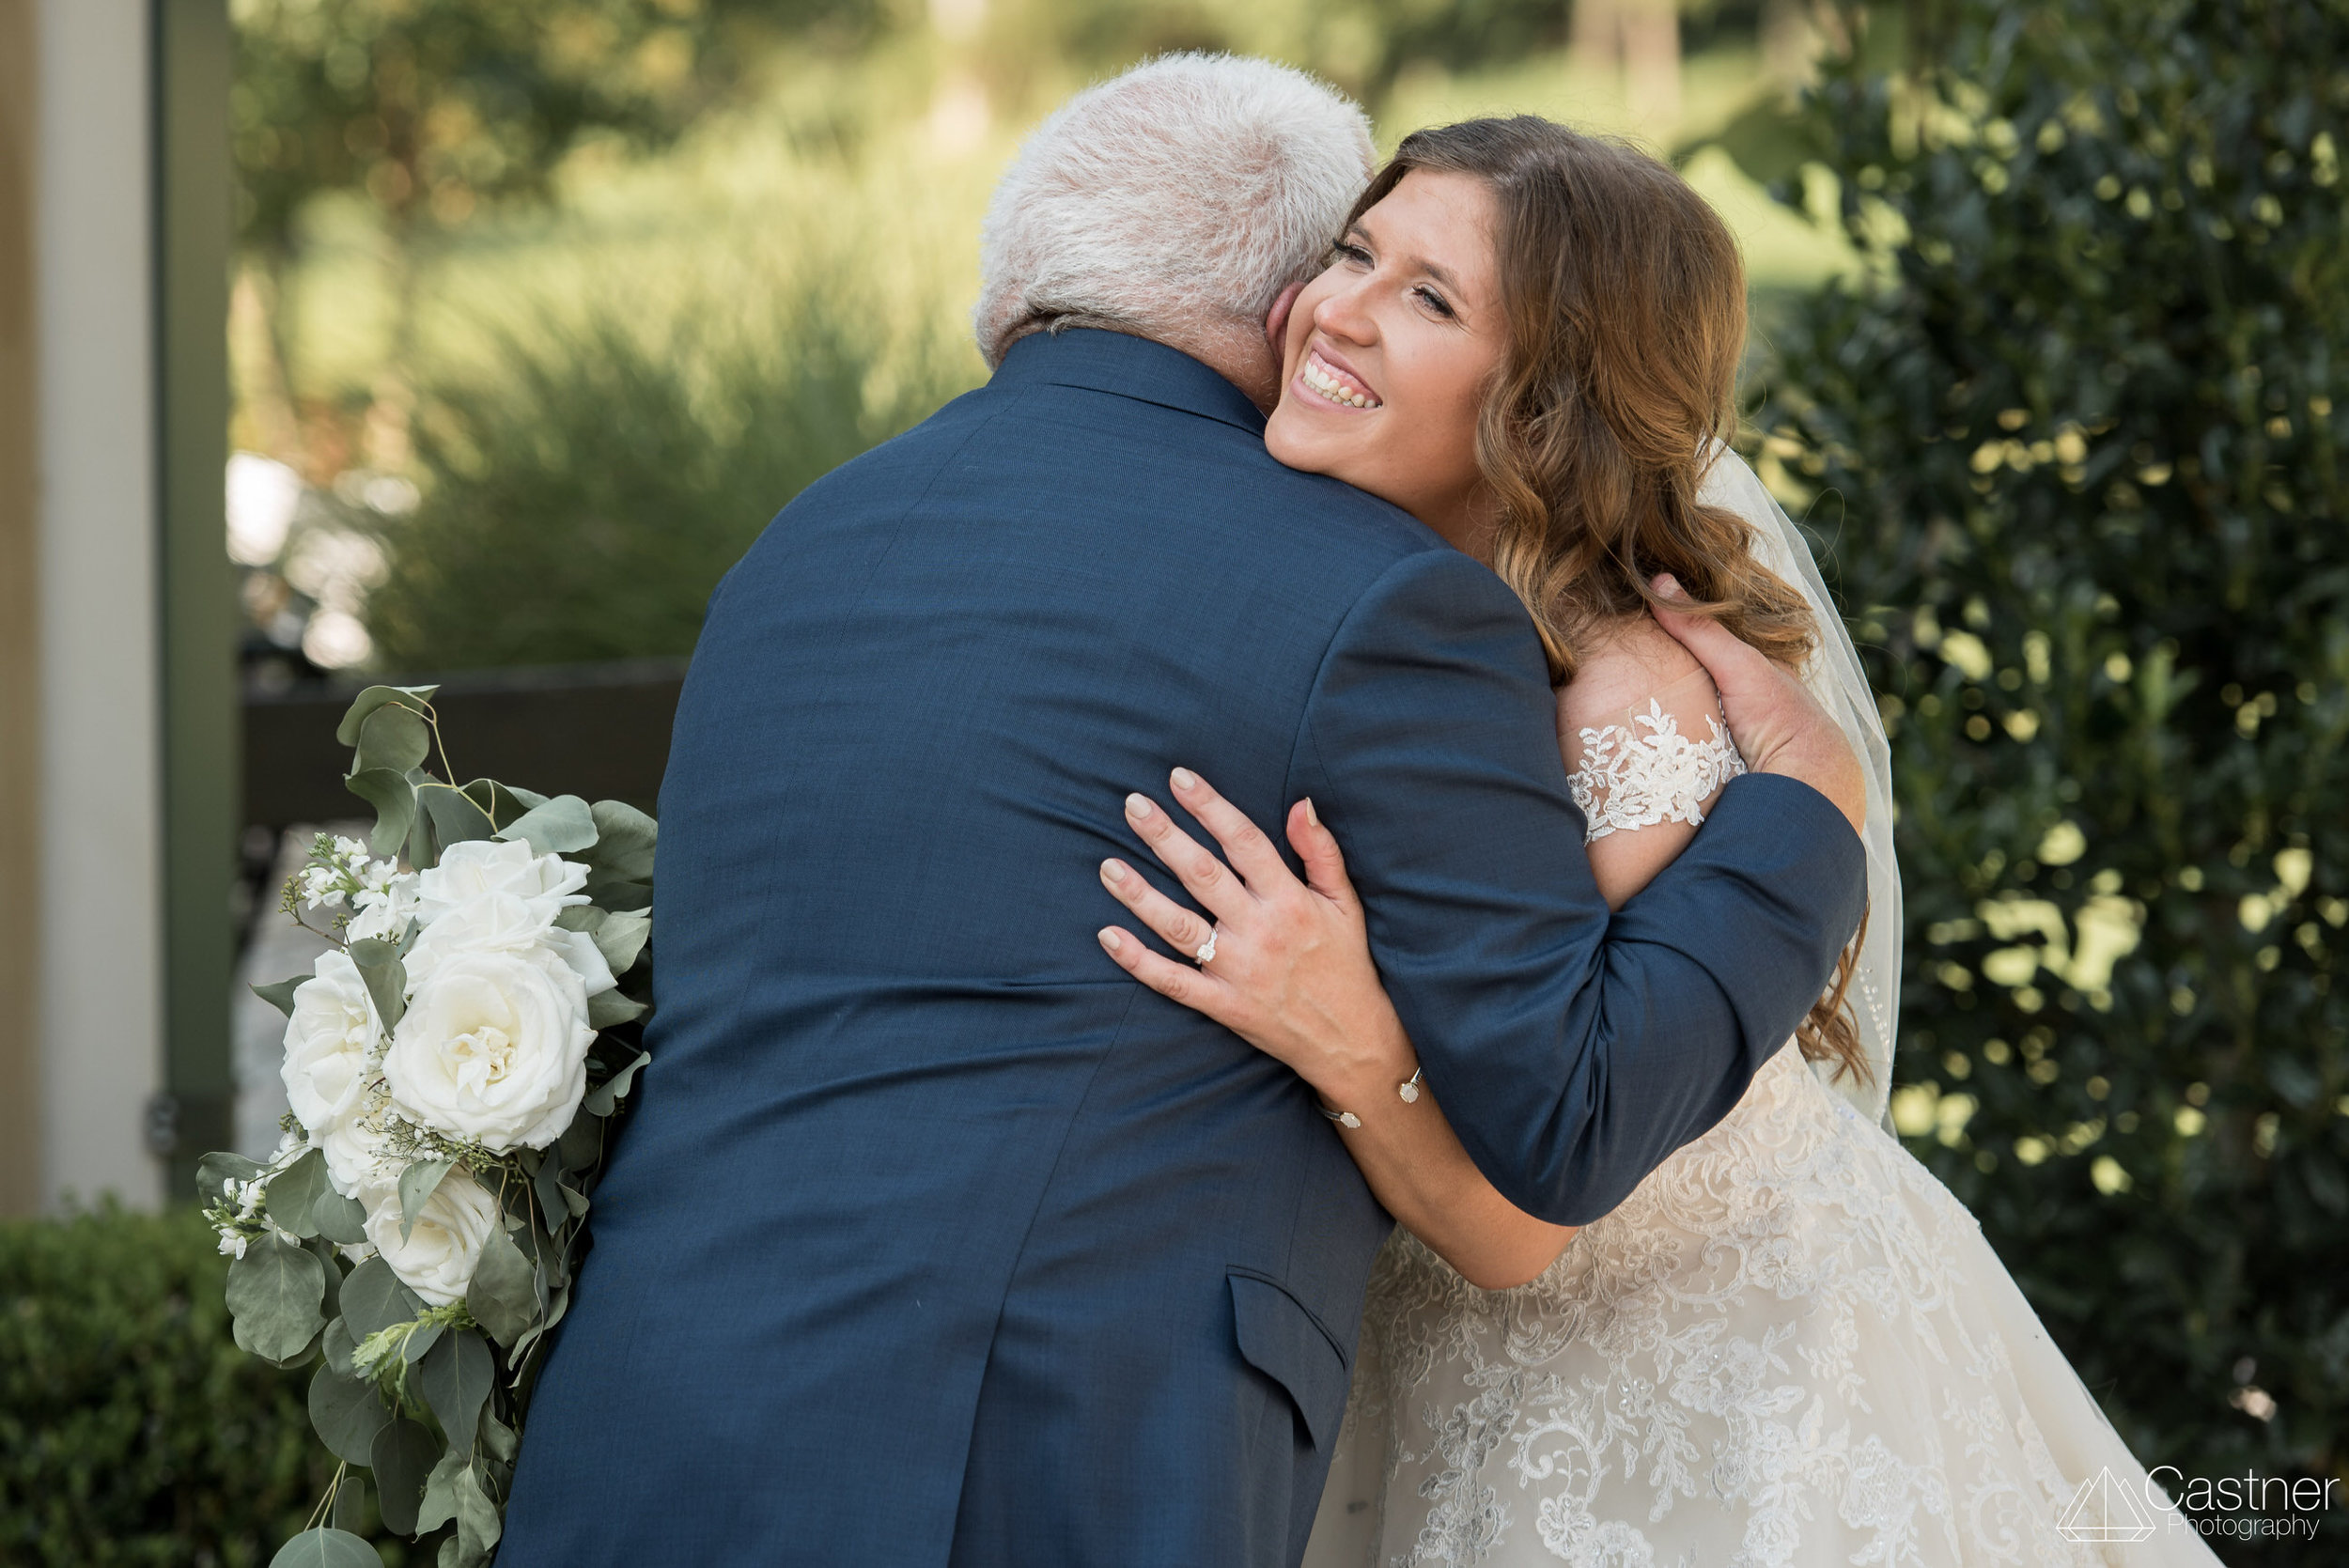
1572 1050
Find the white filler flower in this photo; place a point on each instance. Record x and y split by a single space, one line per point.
384 902
328 1039
439 1254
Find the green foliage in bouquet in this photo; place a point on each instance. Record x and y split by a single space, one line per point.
416 1236
2077 457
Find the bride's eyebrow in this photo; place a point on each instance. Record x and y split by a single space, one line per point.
1422 264
1436 272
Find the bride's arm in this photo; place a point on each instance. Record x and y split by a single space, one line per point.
1299 986
1339 1032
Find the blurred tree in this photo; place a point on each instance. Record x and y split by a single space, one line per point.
432 108
2077 457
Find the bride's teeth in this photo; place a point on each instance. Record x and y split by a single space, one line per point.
1332 388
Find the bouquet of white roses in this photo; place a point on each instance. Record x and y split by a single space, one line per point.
454 1065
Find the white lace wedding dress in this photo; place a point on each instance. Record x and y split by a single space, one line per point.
1790 1345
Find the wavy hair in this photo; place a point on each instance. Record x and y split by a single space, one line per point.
1625 299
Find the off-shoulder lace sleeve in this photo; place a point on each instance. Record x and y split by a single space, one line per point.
1647 771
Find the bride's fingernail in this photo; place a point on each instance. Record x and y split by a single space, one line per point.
1137 806
1312 815
1111 941
1186 780
1112 871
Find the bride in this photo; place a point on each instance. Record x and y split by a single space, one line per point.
1790 1345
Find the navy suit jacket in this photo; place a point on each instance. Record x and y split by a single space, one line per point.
933 1237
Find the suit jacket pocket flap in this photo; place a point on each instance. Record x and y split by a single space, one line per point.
1283 1340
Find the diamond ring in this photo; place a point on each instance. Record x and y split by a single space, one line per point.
1206 949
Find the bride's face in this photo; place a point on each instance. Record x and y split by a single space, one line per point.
1387 355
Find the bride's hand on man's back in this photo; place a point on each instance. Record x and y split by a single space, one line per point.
1290 970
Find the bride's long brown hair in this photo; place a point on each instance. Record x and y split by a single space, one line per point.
1626 302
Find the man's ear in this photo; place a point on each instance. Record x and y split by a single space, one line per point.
1276 323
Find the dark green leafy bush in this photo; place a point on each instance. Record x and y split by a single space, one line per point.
2077 462
581 502
133 1429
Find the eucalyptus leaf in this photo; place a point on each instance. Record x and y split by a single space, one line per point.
330 1300
575 1201
378 965
440 1488
416 1346
350 1501
621 937
281 994
273 1293
293 1193
602 1099
478 1522
456 818
582 1144
393 736
394 802
416 1185
618 892
300 1357
547 1185
218 1167
366 703
563 826
347 1413
374 1300
499 1440
579 917
457 1376
340 1219
625 839
607 1008
558 1302
326 1548
504 1297
336 1349
424 842
403 1457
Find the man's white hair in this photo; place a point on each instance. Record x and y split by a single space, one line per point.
1175 201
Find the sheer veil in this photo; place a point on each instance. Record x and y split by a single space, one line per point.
1837 680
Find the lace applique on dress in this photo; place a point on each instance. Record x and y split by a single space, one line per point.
1630 780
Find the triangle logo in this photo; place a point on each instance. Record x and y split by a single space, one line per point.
2102 1510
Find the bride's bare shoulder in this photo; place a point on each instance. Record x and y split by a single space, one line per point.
1631 663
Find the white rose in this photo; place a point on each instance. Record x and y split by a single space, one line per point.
493 1047
354 1147
478 866
328 1037
437 1258
505 923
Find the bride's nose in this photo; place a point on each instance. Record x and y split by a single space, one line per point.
1346 314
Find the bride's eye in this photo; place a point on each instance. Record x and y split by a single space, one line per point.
1347 250
1436 303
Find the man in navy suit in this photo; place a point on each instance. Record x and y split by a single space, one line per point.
935 1239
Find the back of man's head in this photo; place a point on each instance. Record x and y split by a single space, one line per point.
1174 202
